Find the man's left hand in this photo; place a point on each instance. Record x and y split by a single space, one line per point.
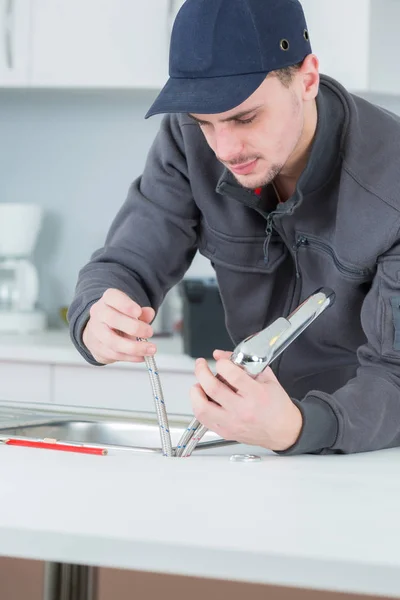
260 413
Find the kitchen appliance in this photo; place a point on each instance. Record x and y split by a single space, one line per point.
19 283
204 327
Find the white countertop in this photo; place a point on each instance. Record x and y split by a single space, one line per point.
327 522
56 347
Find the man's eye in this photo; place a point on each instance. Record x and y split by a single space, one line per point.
245 121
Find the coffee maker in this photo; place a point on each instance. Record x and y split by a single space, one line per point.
19 282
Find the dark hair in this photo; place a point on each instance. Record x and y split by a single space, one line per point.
286 74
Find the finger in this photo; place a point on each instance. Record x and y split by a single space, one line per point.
122 302
103 354
214 388
236 377
106 356
219 354
208 413
122 323
148 314
121 345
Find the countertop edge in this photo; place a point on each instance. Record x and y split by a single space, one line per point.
54 347
225 564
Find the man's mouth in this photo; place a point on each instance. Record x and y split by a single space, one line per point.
244 168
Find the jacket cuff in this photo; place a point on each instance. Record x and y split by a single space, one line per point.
76 336
319 430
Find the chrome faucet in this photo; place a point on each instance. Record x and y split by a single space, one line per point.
258 351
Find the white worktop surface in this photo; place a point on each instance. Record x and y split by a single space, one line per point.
56 347
328 522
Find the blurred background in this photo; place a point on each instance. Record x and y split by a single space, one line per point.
76 79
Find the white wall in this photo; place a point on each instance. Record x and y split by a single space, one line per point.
76 153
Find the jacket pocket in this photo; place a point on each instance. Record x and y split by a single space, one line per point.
389 308
320 266
241 253
346 269
395 303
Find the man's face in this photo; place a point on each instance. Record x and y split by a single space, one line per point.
256 139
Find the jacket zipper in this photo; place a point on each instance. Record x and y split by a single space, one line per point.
306 241
268 231
296 289
302 241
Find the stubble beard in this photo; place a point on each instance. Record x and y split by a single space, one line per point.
262 181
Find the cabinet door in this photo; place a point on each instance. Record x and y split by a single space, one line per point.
120 388
14 42
340 35
100 43
21 579
25 382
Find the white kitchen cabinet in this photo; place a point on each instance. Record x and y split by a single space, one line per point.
100 43
110 387
25 382
125 43
14 42
46 368
119 388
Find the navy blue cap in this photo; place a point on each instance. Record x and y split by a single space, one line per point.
222 50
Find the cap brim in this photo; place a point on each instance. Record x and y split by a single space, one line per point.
211 95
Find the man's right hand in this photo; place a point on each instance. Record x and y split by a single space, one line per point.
114 324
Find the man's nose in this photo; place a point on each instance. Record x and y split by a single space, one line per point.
227 146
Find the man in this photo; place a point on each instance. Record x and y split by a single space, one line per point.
287 183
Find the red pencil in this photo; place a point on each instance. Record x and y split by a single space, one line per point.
56 446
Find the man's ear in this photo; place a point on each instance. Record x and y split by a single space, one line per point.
309 72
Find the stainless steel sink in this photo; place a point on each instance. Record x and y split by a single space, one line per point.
136 432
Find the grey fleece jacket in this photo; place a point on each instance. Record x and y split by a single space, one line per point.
340 229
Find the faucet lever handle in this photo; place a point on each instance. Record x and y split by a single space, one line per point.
257 351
